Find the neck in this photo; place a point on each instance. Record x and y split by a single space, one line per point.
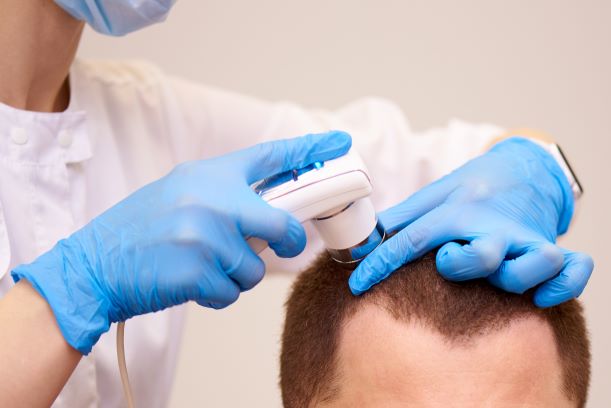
38 42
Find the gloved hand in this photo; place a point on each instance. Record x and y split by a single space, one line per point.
177 239
497 217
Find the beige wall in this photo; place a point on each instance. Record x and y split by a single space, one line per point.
544 64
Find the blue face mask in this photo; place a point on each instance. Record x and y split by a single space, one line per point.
117 17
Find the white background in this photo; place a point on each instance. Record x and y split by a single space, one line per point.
544 64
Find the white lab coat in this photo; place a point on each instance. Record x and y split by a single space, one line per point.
128 124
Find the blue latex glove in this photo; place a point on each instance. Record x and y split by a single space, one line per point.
177 239
506 209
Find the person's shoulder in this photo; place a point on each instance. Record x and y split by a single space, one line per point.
131 73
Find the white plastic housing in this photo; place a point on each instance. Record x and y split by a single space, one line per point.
325 191
349 227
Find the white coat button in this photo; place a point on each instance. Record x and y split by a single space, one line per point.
64 138
19 136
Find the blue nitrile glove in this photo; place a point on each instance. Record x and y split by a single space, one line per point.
177 239
505 209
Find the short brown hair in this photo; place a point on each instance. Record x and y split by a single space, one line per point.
320 302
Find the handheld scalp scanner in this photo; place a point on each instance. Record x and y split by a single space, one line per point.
334 195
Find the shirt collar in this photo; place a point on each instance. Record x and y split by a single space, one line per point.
46 137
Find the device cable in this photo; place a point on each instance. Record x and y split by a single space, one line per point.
127 390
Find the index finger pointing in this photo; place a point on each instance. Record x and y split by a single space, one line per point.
271 158
412 242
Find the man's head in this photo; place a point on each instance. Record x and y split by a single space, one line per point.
418 340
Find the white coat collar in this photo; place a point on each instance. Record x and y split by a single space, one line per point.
43 137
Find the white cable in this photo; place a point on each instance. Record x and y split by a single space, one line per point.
122 365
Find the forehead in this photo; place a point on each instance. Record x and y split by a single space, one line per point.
385 362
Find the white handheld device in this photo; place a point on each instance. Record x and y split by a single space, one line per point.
334 196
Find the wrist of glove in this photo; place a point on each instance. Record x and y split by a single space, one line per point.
63 277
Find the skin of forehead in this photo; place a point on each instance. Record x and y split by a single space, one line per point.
390 363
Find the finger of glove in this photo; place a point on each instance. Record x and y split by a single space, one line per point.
284 234
217 290
415 206
271 158
569 283
413 241
478 259
241 264
539 263
212 305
